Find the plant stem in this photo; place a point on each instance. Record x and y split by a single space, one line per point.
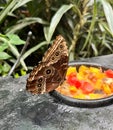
78 27
22 52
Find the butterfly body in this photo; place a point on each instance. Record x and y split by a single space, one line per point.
51 71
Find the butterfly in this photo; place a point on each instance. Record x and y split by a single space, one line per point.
51 71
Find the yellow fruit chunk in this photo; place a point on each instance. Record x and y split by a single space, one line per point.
98 84
80 96
95 70
107 89
73 90
83 69
95 96
71 70
80 77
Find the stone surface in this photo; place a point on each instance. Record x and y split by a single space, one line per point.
20 110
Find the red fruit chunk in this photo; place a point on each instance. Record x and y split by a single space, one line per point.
72 80
87 87
109 73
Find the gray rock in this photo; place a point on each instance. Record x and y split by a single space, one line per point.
20 110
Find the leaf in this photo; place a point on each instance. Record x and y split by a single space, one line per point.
105 26
2 36
6 67
3 47
94 49
25 22
11 6
13 49
1 68
23 72
33 49
108 13
92 25
4 56
16 75
71 56
7 9
46 30
19 4
14 39
108 46
55 20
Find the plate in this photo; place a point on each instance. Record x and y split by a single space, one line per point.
85 103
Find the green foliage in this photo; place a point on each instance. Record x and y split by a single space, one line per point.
48 31
4 56
24 23
22 72
8 50
87 26
4 68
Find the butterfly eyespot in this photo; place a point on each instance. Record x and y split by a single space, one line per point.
48 71
39 85
52 58
57 53
40 80
61 46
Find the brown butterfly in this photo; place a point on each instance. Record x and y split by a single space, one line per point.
51 71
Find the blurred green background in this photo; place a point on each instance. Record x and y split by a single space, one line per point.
87 26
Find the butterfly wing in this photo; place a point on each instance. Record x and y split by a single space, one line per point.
50 73
56 51
36 81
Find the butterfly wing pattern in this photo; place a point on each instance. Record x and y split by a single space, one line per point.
51 71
